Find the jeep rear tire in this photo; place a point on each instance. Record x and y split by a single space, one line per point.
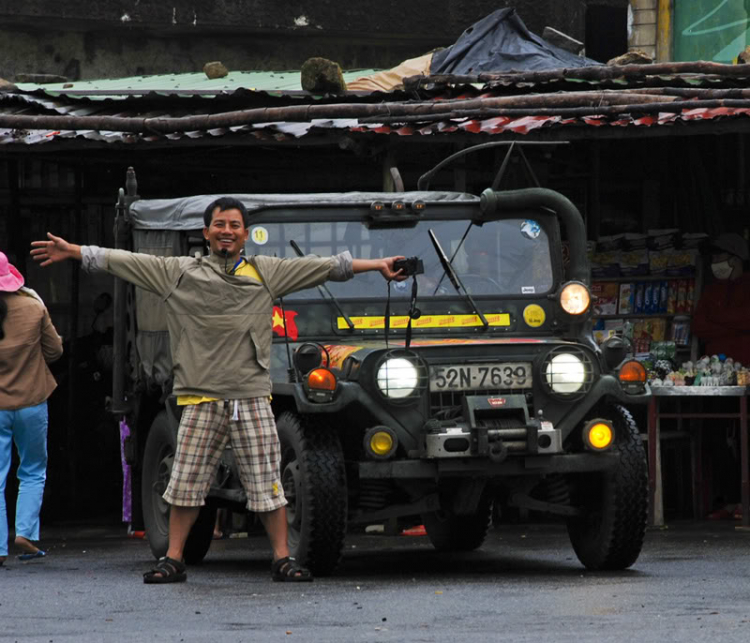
314 481
449 532
157 468
609 535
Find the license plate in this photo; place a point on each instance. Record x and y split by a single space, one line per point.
480 376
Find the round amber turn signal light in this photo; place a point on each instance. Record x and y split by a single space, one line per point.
321 379
599 435
632 371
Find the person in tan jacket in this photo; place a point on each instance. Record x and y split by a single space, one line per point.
28 342
219 316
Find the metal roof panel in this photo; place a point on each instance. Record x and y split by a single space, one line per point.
181 84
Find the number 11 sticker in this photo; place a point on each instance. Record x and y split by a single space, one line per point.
259 235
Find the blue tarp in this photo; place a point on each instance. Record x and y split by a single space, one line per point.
501 42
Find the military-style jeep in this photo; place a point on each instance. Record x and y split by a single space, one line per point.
475 383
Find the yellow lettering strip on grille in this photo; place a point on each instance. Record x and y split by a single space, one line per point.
426 321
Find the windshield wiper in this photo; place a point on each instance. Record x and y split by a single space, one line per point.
454 279
455 252
323 288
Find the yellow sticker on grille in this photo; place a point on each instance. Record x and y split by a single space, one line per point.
426 321
534 315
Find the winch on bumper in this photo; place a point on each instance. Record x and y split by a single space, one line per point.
491 427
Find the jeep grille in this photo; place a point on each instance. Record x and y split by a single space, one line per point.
446 400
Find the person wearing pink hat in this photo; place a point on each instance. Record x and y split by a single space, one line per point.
28 342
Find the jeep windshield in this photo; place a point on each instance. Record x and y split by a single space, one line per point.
500 258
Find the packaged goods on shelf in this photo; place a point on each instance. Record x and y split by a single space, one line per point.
672 298
649 292
694 239
662 239
646 331
683 305
658 261
680 333
682 262
673 263
606 264
634 241
653 329
634 262
663 296
638 299
605 295
627 294
605 261
614 325
689 297
610 242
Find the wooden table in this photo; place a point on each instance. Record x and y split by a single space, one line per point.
736 393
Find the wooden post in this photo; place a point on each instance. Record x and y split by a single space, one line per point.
656 508
72 429
664 23
593 211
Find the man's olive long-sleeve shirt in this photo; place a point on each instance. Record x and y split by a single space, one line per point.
220 325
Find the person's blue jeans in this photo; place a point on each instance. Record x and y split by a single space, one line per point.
26 427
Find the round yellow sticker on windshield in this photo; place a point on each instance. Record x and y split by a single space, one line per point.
534 315
259 235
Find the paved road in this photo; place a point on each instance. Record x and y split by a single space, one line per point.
690 584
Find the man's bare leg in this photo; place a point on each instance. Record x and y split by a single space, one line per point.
276 528
181 521
275 525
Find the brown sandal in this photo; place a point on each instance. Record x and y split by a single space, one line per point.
286 570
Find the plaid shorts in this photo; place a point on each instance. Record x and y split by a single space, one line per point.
204 431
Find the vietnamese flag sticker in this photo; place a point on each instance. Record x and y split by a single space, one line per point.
279 322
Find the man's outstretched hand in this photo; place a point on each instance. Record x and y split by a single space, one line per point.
54 250
389 273
383 266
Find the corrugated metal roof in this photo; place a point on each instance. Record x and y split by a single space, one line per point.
281 131
181 85
459 109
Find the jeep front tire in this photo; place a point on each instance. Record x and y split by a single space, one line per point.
158 458
610 532
314 481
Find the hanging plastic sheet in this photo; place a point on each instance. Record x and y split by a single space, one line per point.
127 507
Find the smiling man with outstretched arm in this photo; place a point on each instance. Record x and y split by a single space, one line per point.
219 312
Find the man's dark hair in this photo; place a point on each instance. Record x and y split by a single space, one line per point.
226 203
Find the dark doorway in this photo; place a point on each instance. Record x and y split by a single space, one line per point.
606 31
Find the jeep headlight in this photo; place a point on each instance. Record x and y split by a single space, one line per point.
565 373
397 377
575 298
